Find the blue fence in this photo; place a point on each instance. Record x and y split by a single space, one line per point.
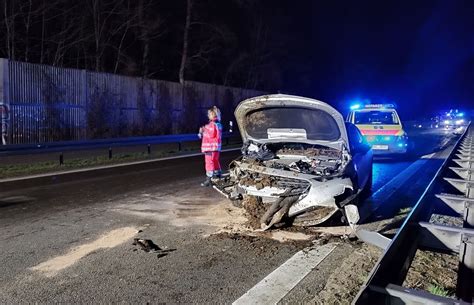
43 104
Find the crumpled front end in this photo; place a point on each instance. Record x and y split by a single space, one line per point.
305 184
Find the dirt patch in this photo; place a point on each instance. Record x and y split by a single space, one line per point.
285 236
111 239
431 271
345 282
258 180
213 214
260 244
447 220
254 210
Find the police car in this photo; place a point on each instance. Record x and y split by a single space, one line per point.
381 127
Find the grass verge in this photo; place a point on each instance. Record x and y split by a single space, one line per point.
26 169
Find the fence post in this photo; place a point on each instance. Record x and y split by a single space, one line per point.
5 131
85 104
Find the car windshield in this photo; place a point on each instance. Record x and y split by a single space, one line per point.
316 124
386 117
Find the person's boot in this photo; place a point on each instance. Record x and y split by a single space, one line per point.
206 182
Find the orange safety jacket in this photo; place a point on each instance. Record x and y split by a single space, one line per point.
212 137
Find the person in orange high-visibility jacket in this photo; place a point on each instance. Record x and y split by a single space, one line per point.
211 135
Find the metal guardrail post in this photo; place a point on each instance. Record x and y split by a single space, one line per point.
110 152
61 159
465 287
384 283
149 149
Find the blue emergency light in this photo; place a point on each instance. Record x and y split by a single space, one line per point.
379 106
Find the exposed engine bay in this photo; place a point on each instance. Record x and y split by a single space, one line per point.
298 157
293 179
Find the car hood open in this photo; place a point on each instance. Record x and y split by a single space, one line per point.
286 118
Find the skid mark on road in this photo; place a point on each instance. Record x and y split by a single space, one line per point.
110 240
282 280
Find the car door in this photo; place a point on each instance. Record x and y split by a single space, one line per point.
361 154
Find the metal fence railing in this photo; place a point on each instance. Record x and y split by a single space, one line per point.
65 146
40 104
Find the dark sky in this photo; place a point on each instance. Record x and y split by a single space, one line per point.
418 54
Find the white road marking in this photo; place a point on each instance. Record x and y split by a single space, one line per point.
430 156
282 280
106 167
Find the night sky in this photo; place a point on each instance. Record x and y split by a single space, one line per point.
418 54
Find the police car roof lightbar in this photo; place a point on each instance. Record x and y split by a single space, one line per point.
378 106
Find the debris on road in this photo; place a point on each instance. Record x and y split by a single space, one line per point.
149 246
254 210
109 240
262 244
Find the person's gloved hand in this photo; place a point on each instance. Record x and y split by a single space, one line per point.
200 132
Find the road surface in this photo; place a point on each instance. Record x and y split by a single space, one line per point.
71 241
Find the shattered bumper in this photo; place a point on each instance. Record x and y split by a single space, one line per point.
314 200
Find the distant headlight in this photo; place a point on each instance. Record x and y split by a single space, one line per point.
459 122
446 122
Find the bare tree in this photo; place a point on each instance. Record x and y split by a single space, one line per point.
10 15
149 27
189 4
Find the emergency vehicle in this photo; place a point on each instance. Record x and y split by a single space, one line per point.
381 127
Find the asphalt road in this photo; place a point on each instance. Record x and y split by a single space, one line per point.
71 241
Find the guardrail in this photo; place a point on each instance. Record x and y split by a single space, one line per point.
384 283
9 150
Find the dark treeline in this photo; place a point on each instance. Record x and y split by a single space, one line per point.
224 42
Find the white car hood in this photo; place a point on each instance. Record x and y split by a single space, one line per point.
282 101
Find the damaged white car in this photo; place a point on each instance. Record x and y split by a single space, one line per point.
300 159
